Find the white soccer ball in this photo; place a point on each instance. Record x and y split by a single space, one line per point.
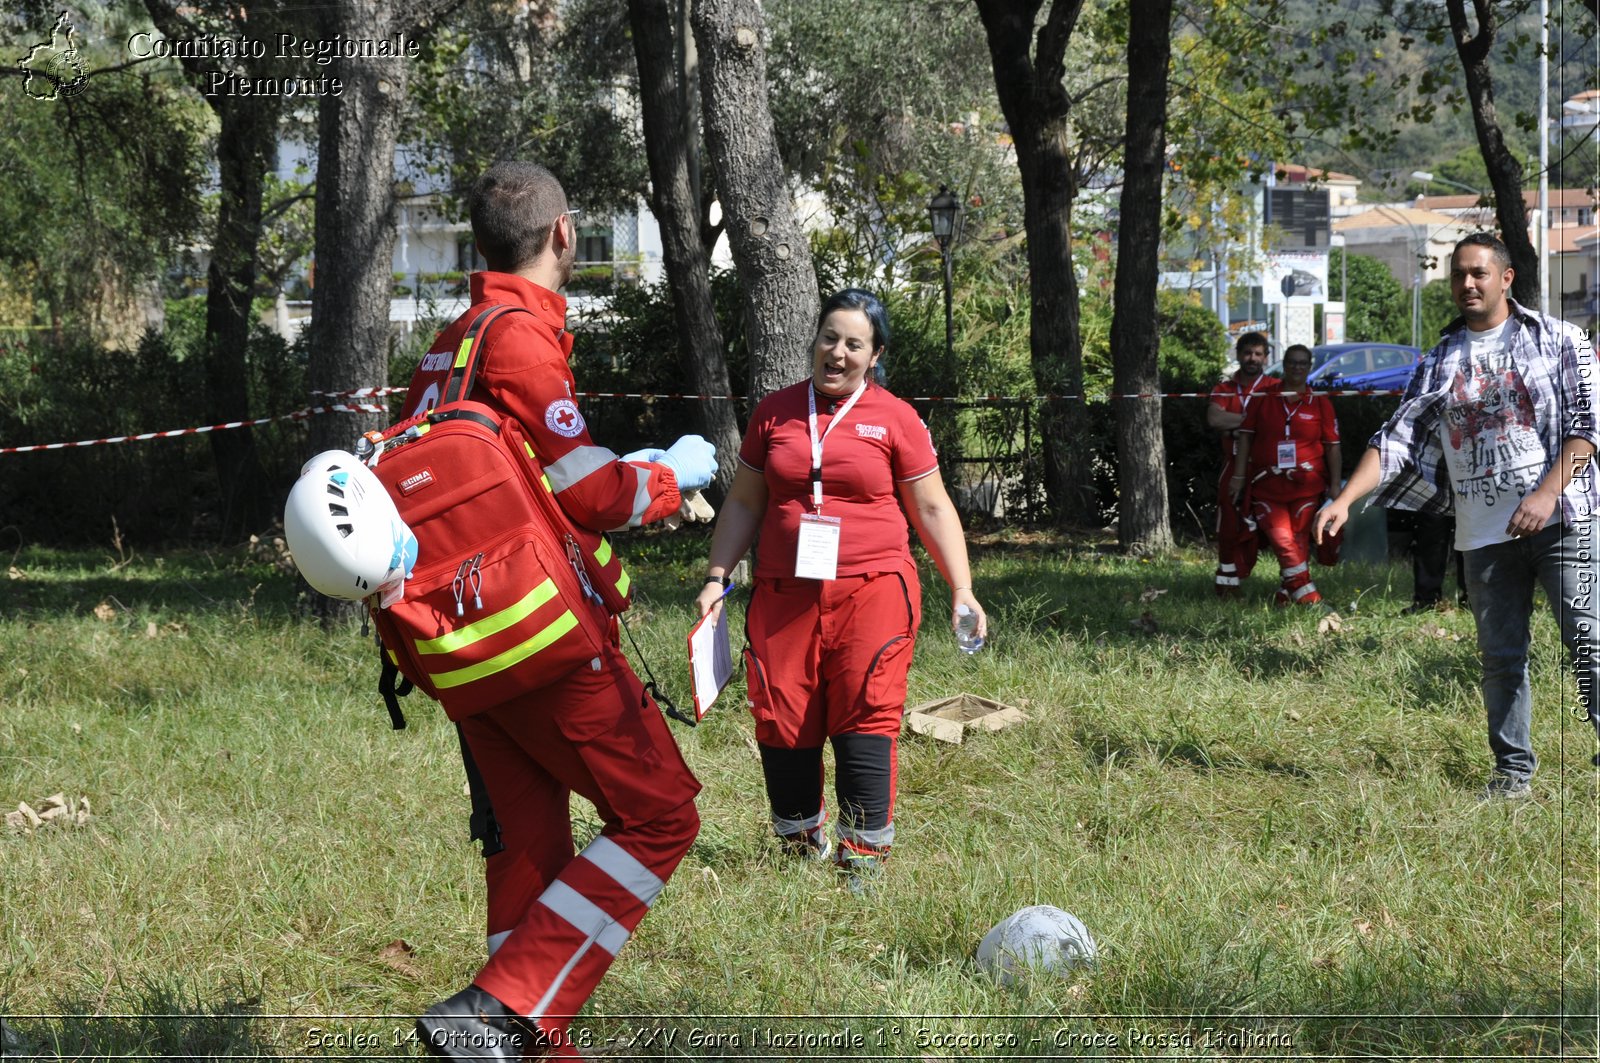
1038 937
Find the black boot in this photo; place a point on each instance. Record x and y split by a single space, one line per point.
473 1025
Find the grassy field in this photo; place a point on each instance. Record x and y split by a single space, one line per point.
1270 829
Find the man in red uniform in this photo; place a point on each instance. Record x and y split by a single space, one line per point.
1230 401
556 918
1289 464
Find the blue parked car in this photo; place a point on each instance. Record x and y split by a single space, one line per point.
1364 366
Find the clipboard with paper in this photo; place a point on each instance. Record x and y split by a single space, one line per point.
710 659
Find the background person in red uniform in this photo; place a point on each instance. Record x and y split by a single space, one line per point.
557 918
826 467
1290 443
1230 401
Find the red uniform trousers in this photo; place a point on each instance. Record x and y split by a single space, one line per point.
1284 508
1237 541
827 661
556 920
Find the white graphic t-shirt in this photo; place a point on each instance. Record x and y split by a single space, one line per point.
1491 442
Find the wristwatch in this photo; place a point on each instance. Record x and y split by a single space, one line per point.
724 581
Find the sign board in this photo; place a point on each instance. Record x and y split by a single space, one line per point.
1295 278
1300 218
1333 322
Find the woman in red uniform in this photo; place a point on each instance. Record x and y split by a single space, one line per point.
830 470
1291 443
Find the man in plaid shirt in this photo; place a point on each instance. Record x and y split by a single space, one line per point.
1498 427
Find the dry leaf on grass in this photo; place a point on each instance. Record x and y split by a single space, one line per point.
397 954
1363 927
1150 594
1146 623
16 573
150 630
53 810
1331 622
104 611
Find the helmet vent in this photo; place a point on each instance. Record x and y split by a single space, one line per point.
337 510
335 490
346 530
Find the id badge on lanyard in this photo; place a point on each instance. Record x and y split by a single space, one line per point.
1287 458
816 554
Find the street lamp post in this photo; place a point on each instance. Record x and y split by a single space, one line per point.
944 214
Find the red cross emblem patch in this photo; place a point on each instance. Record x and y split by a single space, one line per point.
562 418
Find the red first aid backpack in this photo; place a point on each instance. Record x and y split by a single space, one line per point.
507 595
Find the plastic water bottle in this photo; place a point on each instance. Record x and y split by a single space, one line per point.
967 636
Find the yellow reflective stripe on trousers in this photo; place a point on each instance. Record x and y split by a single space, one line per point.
515 655
492 624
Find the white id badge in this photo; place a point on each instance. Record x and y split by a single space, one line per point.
1286 456
816 555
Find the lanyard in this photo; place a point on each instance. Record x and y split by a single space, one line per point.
1288 414
1244 396
817 441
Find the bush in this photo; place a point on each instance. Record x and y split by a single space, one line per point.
151 491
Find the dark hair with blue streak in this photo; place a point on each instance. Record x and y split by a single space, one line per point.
864 301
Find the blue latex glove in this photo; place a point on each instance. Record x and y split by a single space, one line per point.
693 460
648 454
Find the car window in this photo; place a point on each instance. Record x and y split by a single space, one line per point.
1348 364
1391 358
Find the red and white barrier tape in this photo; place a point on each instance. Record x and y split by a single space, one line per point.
652 395
298 415
367 407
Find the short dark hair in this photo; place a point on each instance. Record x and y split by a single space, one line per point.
1497 248
513 207
1287 351
1251 339
864 301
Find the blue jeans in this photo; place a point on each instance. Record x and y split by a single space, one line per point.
1500 578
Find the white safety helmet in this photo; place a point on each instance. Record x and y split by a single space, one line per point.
346 536
1040 937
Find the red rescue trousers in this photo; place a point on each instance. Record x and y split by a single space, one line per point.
1284 508
557 919
827 661
1236 537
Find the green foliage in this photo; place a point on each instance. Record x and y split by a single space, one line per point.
150 491
1377 309
878 103
98 192
491 85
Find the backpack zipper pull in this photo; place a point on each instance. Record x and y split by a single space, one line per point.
575 558
458 586
475 574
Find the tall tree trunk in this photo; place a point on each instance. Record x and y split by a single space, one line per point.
1143 523
357 132
247 150
770 248
1037 108
355 221
1505 172
675 201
